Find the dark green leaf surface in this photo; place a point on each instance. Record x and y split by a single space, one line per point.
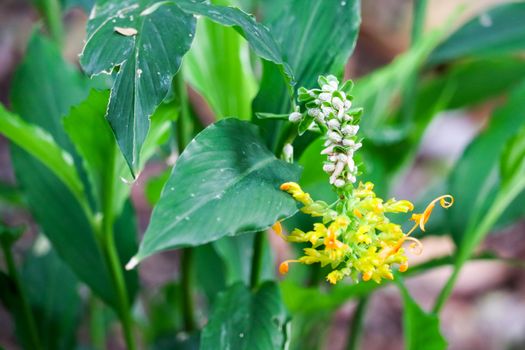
475 178
52 291
316 37
496 31
146 41
55 87
421 329
225 182
242 320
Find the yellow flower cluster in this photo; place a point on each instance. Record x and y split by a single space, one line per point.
355 237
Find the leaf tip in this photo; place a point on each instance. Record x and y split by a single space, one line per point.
132 263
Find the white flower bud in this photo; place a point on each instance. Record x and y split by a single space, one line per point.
357 146
343 157
339 183
295 117
351 178
328 88
326 110
338 103
317 101
314 112
325 96
332 158
327 143
328 150
348 104
348 142
288 152
347 118
335 137
329 167
339 166
334 83
320 117
333 124
350 129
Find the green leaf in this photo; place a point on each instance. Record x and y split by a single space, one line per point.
52 293
226 182
512 164
257 35
242 320
146 41
475 179
316 37
217 67
93 140
421 329
41 145
497 31
56 87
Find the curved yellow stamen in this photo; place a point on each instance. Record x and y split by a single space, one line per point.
416 246
283 267
421 219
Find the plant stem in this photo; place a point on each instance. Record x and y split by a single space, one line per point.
187 296
97 330
184 135
112 258
26 308
258 246
52 13
356 328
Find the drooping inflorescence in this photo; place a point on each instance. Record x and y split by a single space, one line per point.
355 237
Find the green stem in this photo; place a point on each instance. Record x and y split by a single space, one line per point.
184 135
26 308
97 322
356 328
116 269
188 304
52 13
258 247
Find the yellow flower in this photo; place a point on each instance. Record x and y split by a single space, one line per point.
357 238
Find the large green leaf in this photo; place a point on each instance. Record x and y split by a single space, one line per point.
421 329
242 320
219 69
498 30
41 145
146 40
257 35
55 87
225 182
316 37
475 179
